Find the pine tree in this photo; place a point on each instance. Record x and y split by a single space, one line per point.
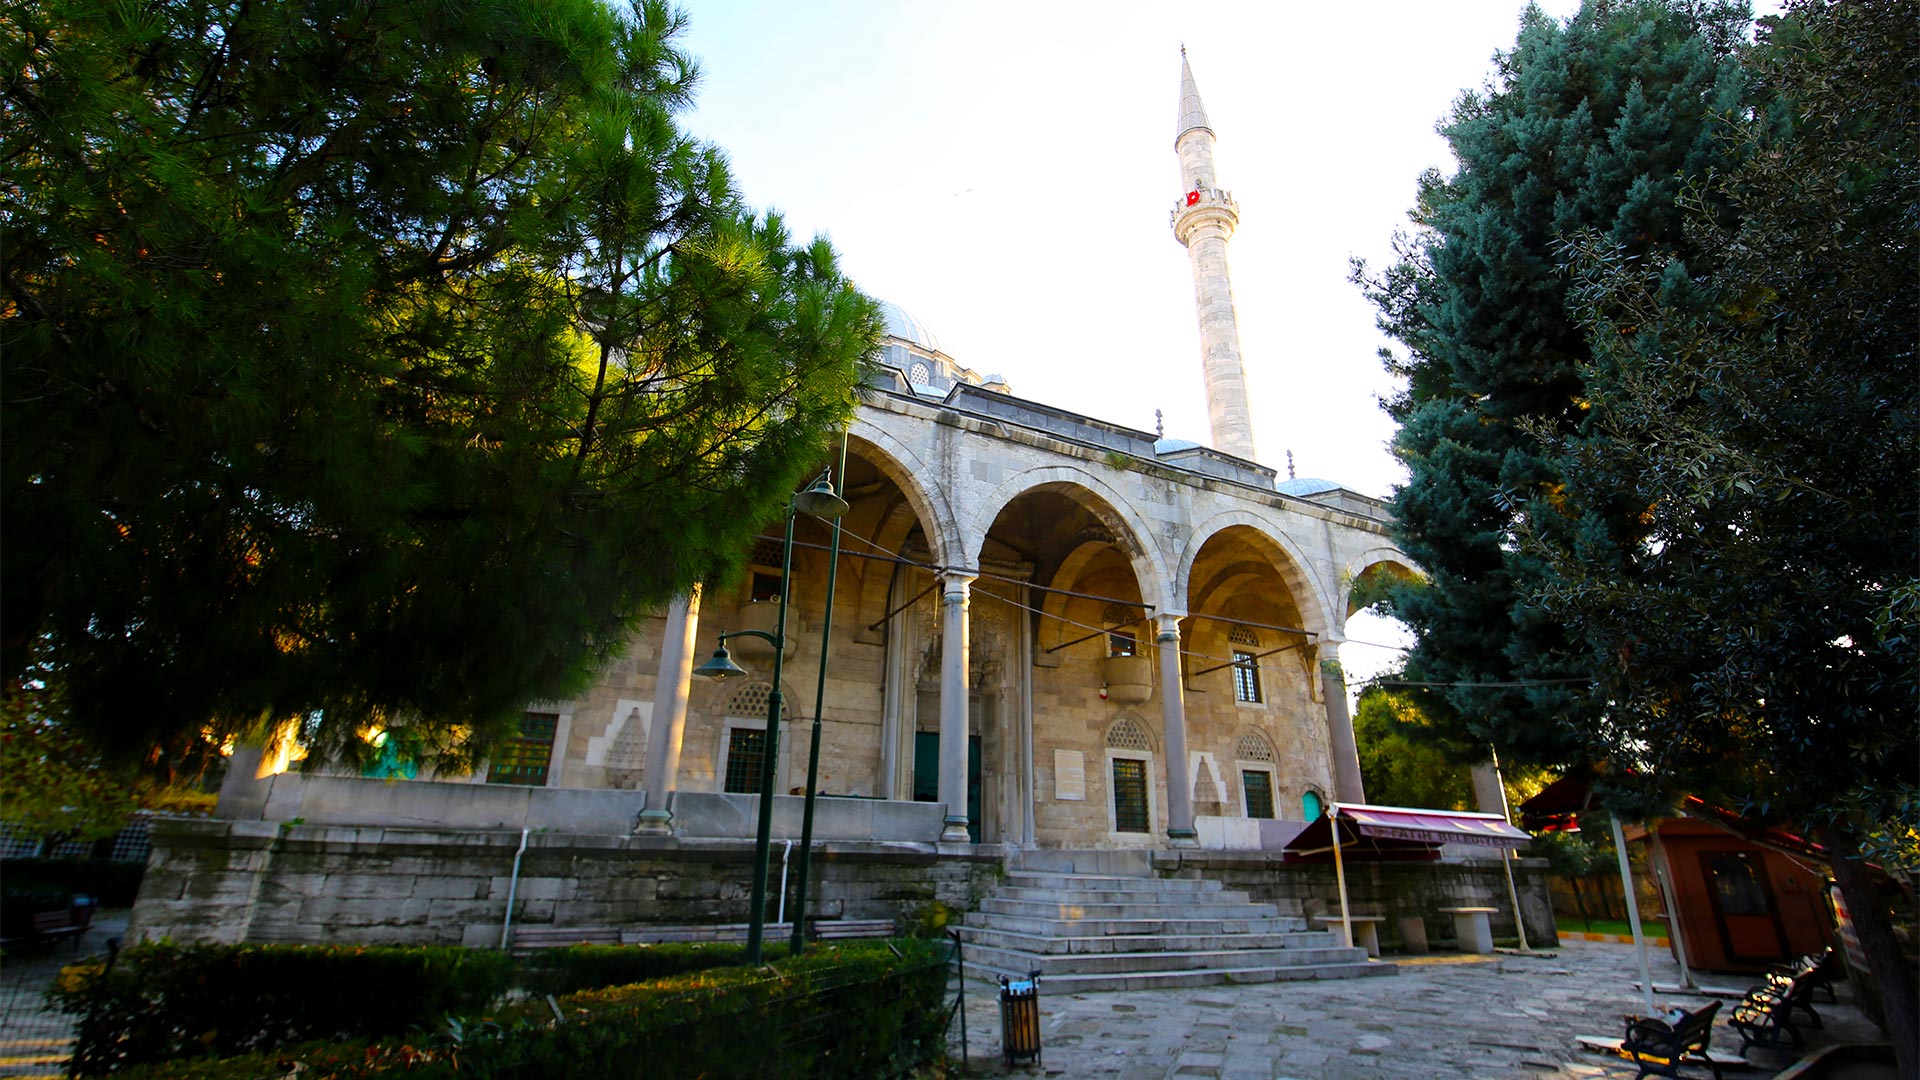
1595 125
378 361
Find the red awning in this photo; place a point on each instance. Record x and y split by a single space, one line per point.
1398 833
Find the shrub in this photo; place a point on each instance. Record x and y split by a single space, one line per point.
162 1001
845 1011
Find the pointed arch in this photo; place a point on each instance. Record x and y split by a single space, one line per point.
1132 533
1310 596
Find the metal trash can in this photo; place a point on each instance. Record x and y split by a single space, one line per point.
1020 1019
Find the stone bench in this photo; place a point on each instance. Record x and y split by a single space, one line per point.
1472 928
1366 929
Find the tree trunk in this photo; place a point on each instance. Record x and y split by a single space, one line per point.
1873 925
1580 902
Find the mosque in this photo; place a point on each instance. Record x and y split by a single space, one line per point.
1066 632
1043 632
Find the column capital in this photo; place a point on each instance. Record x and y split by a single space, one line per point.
1168 623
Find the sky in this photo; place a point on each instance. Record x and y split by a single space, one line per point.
1005 172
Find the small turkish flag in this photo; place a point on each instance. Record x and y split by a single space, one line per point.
1192 197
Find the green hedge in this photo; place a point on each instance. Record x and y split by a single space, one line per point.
845 1011
110 883
163 1001
587 967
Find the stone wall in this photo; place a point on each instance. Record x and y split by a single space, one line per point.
1392 890
234 881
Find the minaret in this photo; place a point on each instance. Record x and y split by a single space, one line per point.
1203 220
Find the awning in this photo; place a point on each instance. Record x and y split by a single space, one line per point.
1398 833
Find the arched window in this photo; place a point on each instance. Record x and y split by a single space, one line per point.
1130 767
1254 758
1311 806
743 747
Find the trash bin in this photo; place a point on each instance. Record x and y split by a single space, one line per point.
1020 1019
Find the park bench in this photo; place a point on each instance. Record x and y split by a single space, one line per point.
1660 1046
551 937
560 937
1765 1015
48 928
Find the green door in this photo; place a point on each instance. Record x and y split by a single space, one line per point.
926 775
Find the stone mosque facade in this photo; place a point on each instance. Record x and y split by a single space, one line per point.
1048 631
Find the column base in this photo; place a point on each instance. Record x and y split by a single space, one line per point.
1183 838
654 823
955 832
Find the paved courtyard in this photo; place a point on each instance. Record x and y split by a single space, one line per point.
1443 1016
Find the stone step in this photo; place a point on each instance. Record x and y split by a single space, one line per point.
1109 882
1094 927
1054 894
1049 964
1154 980
1046 943
1143 908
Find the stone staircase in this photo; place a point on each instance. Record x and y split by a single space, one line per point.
1130 931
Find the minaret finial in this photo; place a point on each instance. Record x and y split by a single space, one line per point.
1159 425
1290 475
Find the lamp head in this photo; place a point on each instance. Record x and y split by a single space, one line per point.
820 501
719 666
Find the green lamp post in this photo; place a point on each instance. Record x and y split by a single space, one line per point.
818 501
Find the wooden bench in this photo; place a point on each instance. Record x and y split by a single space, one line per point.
849 929
552 937
560 937
49 927
1660 1047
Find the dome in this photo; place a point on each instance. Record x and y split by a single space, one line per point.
1168 445
1306 485
903 325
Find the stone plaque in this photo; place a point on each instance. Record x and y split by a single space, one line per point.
1069 774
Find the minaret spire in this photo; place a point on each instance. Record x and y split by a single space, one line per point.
1203 220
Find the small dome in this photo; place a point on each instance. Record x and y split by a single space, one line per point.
1305 485
903 325
1168 446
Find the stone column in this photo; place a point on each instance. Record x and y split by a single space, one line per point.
1340 744
1487 796
1173 715
670 687
956 586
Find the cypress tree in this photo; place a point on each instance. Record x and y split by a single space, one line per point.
1591 126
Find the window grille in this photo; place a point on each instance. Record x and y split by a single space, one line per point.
1130 796
1258 784
524 758
1252 747
746 756
1243 635
133 842
767 551
750 701
1116 615
1128 734
1246 677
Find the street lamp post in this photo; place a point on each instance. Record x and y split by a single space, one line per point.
819 501
798 942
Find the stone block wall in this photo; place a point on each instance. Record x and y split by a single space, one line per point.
235 881
1389 889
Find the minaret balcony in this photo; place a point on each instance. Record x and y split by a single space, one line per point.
1213 207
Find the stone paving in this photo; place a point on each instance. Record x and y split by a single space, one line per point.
1441 1017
